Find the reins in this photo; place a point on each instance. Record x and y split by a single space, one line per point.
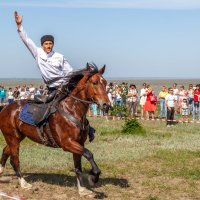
76 98
81 100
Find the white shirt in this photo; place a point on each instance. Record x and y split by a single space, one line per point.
10 95
170 100
184 105
22 95
143 92
110 98
132 98
51 65
175 91
32 90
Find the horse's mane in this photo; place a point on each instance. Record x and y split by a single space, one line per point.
76 75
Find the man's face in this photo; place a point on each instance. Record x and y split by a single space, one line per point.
47 46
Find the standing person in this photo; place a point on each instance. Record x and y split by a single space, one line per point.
132 100
163 108
196 109
41 90
170 101
190 95
22 94
3 94
143 96
94 109
182 95
124 92
176 93
53 66
10 96
175 89
16 93
109 92
118 96
150 105
32 91
184 109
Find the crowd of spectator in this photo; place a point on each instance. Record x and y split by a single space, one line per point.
8 95
168 103
127 100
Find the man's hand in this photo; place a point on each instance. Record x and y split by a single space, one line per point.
18 19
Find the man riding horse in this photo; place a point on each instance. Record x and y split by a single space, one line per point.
54 68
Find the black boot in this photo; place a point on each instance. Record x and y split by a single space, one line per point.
91 133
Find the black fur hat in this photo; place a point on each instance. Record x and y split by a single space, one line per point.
47 38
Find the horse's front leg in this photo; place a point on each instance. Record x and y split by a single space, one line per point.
95 171
78 151
78 169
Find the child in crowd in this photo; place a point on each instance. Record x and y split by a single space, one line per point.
10 96
184 109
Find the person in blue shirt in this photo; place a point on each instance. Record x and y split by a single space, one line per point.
2 95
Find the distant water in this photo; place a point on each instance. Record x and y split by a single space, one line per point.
155 82
150 78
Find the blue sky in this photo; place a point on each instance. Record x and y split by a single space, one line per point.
134 38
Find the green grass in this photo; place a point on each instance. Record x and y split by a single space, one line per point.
162 164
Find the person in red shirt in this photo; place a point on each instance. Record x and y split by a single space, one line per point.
196 109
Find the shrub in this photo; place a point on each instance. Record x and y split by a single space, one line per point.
118 110
132 126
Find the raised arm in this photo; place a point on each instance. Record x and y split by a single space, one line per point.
27 41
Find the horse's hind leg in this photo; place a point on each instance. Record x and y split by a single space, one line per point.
14 161
4 158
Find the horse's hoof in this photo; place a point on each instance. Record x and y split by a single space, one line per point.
91 180
24 184
1 169
84 192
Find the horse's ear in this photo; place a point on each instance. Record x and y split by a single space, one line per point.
87 66
102 70
87 69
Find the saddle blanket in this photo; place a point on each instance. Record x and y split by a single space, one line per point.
26 116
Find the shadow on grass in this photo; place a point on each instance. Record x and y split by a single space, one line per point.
121 182
52 178
70 181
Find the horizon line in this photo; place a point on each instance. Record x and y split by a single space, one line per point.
112 78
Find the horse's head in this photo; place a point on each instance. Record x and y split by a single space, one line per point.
90 85
96 86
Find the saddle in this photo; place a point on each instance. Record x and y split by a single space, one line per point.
41 108
40 112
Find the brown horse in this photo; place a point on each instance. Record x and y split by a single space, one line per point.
89 87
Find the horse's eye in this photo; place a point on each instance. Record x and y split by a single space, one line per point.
95 82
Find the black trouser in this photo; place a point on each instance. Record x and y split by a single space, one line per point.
170 115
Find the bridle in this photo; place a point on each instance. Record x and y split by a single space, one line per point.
78 99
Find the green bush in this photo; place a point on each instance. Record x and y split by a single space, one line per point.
118 110
132 126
